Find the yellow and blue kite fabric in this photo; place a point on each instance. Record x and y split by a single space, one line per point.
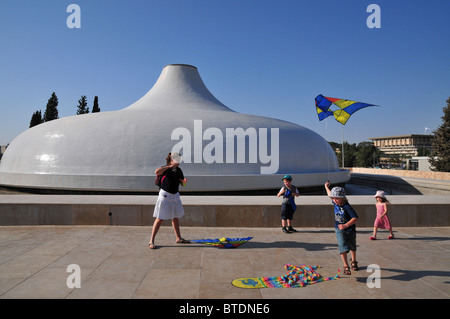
223 242
346 108
297 276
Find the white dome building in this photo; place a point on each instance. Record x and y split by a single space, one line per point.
119 151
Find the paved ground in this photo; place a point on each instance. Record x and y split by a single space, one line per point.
115 262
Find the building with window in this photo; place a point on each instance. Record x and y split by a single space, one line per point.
400 149
403 145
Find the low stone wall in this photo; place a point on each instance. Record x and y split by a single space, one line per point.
444 176
215 211
398 185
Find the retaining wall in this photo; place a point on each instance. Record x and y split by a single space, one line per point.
215 211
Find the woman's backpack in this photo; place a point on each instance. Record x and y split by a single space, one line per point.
159 179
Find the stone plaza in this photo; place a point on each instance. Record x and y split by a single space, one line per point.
115 263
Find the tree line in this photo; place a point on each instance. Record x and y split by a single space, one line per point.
51 110
365 154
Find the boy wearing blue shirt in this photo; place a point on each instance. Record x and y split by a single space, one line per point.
345 218
288 207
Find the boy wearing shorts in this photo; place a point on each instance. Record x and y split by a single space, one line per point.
345 218
288 207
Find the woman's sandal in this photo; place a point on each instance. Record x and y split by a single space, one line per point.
354 265
151 246
347 270
183 241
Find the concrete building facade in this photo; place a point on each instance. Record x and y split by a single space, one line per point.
403 145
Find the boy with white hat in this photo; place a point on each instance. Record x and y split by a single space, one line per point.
345 228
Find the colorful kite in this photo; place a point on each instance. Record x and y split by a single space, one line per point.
223 242
346 108
297 276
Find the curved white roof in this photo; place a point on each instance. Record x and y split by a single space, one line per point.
120 150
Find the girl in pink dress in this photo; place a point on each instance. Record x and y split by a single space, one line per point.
382 220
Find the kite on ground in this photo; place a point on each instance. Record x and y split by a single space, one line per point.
346 108
297 276
223 242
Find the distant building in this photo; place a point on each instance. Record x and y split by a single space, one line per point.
419 163
404 145
400 149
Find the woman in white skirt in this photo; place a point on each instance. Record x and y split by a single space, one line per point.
168 205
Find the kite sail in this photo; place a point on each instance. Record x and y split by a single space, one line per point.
297 276
223 242
346 108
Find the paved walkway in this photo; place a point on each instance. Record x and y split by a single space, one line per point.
115 262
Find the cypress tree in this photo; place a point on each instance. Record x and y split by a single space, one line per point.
95 107
51 111
36 119
440 158
82 106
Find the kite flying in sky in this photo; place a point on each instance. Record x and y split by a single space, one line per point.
346 108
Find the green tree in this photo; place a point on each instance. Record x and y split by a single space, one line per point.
440 158
367 155
349 153
95 107
82 107
51 111
36 119
336 147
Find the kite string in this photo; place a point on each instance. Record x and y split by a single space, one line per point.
327 146
343 156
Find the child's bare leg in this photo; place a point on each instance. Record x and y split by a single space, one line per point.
375 229
391 234
344 259
353 253
346 266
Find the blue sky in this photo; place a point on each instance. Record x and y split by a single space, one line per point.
264 57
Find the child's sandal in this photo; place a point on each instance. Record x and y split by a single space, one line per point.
354 265
347 270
